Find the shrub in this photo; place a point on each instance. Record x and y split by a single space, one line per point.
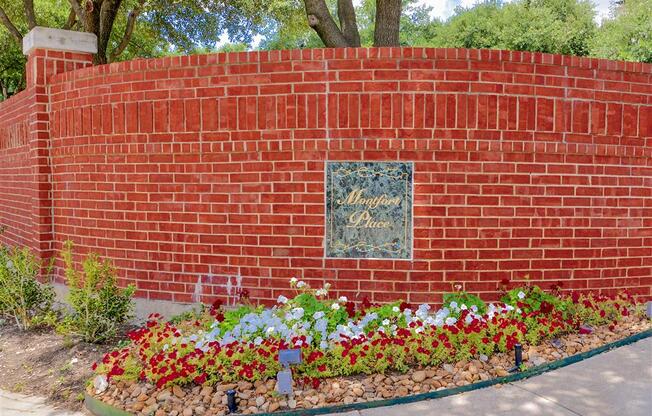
22 297
99 306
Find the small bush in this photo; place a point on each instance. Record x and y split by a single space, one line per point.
99 306
22 297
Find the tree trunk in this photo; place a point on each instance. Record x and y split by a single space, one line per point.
108 12
97 16
320 19
348 23
388 19
29 13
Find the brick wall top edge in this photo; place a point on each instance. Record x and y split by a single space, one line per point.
488 55
14 101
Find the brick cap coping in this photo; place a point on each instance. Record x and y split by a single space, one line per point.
60 40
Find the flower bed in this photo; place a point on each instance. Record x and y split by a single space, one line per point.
350 352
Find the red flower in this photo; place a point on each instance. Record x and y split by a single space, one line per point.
350 309
200 379
404 305
546 307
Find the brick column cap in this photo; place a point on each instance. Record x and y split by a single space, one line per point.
59 40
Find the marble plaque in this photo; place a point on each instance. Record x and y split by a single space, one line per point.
369 210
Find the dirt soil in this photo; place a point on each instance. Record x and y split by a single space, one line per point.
46 364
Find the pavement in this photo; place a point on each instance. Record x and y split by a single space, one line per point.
615 383
14 404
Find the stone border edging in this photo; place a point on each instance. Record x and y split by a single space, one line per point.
99 408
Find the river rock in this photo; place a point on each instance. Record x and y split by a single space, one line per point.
418 376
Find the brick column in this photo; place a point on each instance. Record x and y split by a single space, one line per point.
49 52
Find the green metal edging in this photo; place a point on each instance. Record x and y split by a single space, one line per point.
99 408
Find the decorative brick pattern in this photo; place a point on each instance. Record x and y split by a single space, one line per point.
198 174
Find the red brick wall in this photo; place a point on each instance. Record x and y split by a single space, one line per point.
17 182
211 168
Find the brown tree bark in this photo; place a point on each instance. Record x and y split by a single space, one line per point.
348 22
72 19
97 16
129 30
387 25
320 19
29 13
107 15
4 19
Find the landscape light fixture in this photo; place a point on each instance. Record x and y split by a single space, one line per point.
230 401
284 377
518 358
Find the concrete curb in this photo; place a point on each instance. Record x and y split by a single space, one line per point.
99 408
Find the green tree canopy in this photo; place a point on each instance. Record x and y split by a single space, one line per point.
553 26
627 35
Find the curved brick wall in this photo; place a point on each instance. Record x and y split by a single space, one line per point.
210 168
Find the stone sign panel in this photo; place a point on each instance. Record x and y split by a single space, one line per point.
369 210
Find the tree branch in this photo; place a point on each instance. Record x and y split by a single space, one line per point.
29 13
79 11
10 26
72 20
388 19
348 23
320 19
129 30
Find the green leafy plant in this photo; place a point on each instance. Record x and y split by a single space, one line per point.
22 297
464 298
99 306
532 298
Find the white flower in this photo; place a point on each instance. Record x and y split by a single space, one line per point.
521 295
282 299
474 308
321 292
396 309
318 315
327 286
335 306
323 345
270 330
297 313
343 299
450 321
293 281
463 307
386 322
453 305
301 284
